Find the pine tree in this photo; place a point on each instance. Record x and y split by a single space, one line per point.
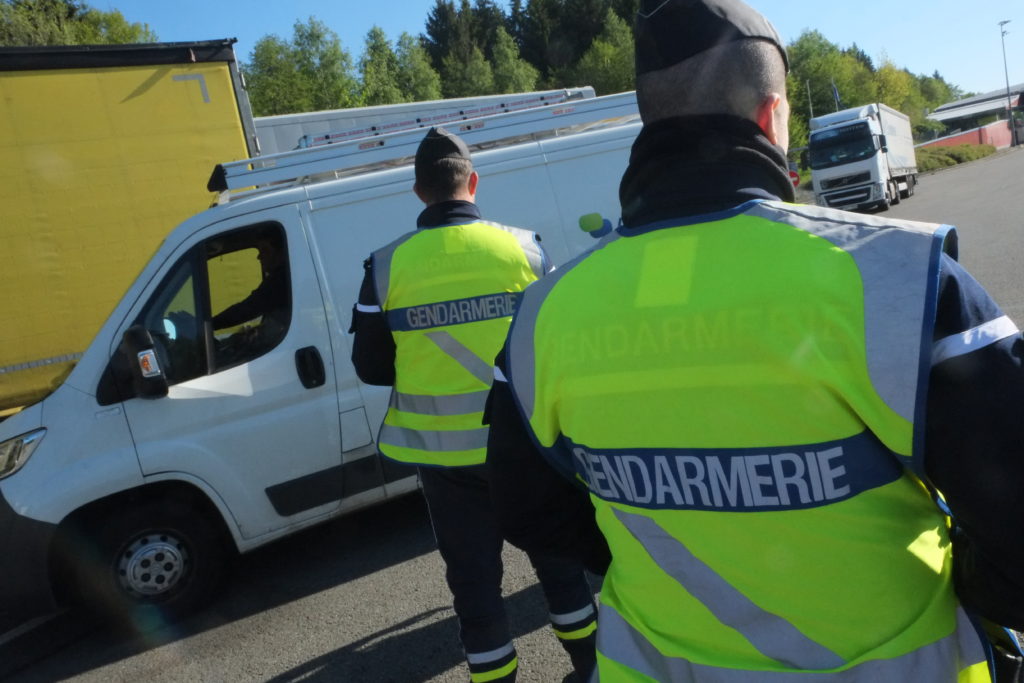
379 69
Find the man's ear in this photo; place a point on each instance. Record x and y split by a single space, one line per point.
472 183
419 193
766 119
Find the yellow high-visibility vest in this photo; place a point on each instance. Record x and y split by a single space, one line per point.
449 293
742 396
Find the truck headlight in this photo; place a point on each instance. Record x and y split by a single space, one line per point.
15 452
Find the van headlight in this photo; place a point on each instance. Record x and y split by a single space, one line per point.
15 452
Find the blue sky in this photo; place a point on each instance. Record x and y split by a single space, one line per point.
959 39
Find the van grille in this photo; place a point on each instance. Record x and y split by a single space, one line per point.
845 180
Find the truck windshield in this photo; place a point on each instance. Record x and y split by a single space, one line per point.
841 145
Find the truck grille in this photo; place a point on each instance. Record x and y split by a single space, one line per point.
845 180
853 197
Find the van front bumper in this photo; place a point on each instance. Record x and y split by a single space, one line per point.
25 588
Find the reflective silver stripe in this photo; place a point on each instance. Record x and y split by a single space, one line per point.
465 357
499 376
434 441
571 617
66 358
893 258
973 339
452 404
938 661
531 247
362 308
772 635
521 360
491 655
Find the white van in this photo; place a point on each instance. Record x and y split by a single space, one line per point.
172 445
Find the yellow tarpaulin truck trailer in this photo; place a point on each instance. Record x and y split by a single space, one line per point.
103 150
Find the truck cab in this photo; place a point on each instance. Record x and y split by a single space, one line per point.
861 158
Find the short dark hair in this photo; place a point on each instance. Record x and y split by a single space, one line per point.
731 78
443 179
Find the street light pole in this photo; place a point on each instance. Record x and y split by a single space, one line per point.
1006 73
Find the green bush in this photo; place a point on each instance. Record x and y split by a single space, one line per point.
932 158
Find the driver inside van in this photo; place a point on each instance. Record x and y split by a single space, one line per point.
269 300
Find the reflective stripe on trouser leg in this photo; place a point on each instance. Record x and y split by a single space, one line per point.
569 596
494 665
575 625
578 635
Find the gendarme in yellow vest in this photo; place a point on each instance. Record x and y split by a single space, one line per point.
743 398
449 293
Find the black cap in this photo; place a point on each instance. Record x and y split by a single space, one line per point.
670 31
439 144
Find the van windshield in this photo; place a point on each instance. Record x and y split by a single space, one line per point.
841 145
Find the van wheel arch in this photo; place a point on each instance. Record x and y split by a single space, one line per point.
144 557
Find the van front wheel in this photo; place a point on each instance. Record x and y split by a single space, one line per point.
150 565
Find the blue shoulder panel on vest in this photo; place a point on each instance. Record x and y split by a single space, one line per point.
927 343
737 479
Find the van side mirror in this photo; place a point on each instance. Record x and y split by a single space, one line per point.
882 144
140 353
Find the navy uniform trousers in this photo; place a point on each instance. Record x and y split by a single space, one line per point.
470 543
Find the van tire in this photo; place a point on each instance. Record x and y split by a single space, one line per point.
148 565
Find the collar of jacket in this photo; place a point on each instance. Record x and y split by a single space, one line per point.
448 213
694 165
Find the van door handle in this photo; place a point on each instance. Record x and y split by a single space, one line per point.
310 367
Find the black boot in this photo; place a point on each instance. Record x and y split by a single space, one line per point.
583 654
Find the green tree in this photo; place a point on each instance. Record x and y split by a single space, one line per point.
894 86
543 43
312 72
608 62
440 31
416 77
488 19
66 22
379 69
511 73
274 82
466 76
860 56
324 65
626 9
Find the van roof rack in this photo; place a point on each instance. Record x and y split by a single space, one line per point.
362 155
459 110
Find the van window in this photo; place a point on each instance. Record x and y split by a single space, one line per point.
171 318
226 302
249 293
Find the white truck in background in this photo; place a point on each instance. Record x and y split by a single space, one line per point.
172 444
862 158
